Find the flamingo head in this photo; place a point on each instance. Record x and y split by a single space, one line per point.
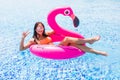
69 12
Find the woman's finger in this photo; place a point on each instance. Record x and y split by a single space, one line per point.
27 32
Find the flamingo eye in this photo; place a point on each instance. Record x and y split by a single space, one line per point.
66 12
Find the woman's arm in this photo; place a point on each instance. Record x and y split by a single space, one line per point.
50 32
22 46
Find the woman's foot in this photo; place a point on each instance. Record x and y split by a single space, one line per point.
101 53
104 54
94 39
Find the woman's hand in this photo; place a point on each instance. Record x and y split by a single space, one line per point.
24 34
22 46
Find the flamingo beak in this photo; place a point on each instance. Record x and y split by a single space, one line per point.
75 20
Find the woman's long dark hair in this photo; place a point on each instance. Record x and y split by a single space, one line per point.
35 36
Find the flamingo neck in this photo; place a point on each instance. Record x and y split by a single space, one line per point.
58 29
52 21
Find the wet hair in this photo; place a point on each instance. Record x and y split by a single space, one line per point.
35 35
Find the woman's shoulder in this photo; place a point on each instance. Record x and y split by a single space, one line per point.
32 40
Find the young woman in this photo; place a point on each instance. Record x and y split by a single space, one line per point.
42 37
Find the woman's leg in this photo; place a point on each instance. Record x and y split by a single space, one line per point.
72 40
91 50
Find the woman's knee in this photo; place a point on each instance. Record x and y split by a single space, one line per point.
66 38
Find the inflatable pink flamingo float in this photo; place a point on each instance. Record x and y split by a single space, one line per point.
59 52
66 11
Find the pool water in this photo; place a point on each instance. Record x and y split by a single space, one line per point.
97 17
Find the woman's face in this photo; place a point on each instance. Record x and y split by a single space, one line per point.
39 29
